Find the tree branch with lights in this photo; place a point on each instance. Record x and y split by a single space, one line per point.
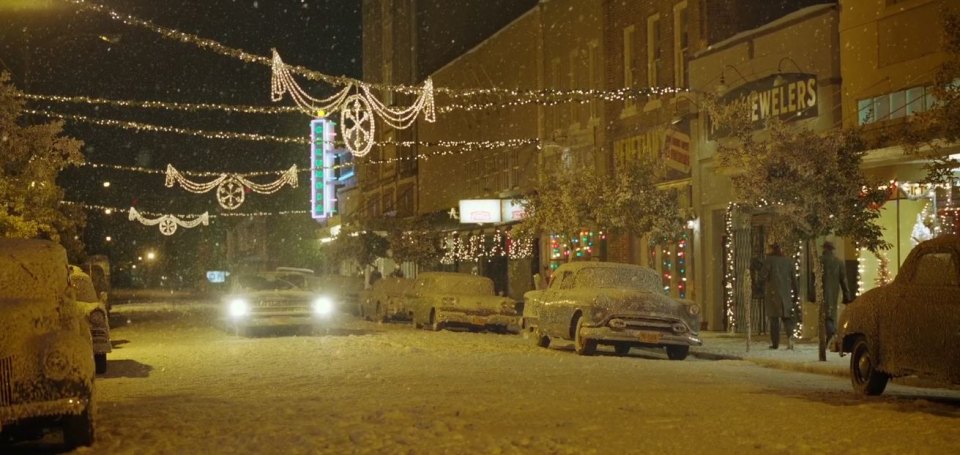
811 182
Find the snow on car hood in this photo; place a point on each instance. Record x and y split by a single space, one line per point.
611 301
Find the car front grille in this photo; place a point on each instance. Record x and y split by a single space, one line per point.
6 381
646 324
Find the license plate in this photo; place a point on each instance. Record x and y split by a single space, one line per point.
648 337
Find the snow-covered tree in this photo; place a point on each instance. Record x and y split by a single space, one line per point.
31 157
572 200
812 183
414 240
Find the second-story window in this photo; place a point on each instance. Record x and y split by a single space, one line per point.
628 56
680 44
654 50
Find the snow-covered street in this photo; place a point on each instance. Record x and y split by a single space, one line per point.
179 384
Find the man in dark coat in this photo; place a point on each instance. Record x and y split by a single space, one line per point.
834 280
779 283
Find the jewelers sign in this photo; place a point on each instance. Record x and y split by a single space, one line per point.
786 96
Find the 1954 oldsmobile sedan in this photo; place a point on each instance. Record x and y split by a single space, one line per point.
444 299
621 305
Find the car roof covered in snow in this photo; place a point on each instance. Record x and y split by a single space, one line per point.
32 269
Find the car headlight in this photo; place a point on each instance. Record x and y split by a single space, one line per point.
56 366
239 308
693 309
323 306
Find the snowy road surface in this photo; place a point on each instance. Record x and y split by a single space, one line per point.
177 384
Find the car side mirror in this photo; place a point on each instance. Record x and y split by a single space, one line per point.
103 296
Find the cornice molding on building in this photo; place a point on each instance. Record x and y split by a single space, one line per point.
771 27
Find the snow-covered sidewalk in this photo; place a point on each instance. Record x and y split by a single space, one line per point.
804 358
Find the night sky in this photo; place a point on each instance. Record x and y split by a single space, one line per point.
51 47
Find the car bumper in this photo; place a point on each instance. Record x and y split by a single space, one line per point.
64 406
277 318
646 337
489 320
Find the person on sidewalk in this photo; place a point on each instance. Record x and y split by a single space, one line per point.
834 279
779 283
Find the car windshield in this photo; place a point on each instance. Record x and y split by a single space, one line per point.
623 278
465 285
264 282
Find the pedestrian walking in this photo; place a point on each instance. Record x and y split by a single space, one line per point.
779 284
834 282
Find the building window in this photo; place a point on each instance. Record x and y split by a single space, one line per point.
592 75
574 60
654 50
628 55
555 81
899 104
680 44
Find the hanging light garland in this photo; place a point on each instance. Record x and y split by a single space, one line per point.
162 105
357 123
169 223
107 210
137 126
341 81
231 188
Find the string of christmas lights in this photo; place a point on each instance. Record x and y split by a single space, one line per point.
137 126
107 210
162 105
339 81
464 146
231 188
311 110
467 247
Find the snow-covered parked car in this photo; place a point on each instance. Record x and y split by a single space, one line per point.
910 326
614 304
384 301
276 299
444 299
46 356
95 309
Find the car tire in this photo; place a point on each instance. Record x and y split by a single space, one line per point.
538 338
621 348
583 346
677 352
78 429
864 376
435 325
100 362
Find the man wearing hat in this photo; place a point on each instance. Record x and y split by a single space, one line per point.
834 280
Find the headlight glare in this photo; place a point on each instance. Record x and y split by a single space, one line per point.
239 308
693 309
323 306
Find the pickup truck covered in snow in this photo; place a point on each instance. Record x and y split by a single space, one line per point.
46 355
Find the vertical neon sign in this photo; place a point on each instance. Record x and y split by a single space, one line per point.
322 189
